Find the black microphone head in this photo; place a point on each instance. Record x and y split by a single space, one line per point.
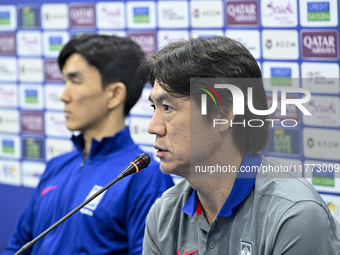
142 160
139 163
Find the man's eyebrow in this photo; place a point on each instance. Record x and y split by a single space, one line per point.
75 74
163 97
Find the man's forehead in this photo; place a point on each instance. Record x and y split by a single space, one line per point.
159 94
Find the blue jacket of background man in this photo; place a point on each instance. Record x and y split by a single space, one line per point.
113 223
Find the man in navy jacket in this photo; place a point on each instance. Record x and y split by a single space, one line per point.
101 88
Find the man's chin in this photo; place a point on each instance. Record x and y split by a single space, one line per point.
170 170
165 169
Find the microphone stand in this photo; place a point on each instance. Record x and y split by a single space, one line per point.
139 163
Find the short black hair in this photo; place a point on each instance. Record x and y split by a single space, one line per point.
215 57
116 58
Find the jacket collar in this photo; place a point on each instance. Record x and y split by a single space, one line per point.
120 141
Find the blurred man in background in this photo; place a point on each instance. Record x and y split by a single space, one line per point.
101 87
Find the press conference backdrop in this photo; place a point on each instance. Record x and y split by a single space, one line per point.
296 44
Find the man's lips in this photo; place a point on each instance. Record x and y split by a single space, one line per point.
67 113
160 151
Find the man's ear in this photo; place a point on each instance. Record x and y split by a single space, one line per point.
226 114
116 94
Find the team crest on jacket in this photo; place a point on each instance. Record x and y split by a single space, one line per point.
245 247
91 207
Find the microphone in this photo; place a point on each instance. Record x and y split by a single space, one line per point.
139 163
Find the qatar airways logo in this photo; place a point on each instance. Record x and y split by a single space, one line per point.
238 104
242 12
320 44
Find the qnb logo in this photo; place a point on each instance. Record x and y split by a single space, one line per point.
238 104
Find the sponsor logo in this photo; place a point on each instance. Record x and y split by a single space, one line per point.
32 122
320 44
239 13
55 43
55 125
321 143
8 17
284 141
31 69
7 44
5 18
29 43
197 13
33 148
280 44
9 172
9 121
278 74
141 14
318 11
52 72
325 111
82 15
323 175
8 95
7 146
320 77
10 146
31 97
110 15
8 69
173 14
206 14
268 44
29 17
279 13
146 40
55 16
281 76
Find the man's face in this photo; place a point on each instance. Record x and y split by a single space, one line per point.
171 125
183 137
85 100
